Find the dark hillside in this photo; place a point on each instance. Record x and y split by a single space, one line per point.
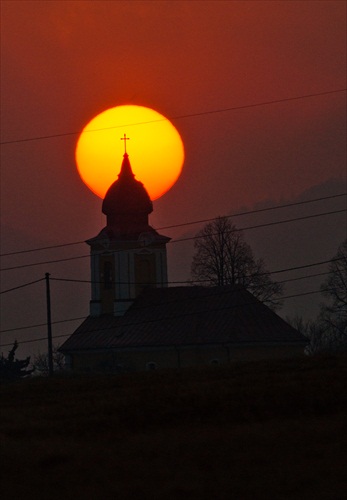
247 431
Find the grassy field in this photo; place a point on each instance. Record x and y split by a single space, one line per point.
262 430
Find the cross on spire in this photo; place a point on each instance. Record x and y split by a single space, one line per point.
125 138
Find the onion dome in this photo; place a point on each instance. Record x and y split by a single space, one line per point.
127 203
126 195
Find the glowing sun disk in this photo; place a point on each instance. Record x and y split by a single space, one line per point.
155 149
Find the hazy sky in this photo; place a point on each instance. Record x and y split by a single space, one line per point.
64 62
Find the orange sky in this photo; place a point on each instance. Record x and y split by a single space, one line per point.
64 62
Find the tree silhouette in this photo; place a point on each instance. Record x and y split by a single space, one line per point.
328 333
14 369
224 258
41 361
334 313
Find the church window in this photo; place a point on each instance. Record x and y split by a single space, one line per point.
214 361
145 271
107 275
151 366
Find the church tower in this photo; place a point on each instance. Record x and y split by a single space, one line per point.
128 255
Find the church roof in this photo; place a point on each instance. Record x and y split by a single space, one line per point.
184 316
126 195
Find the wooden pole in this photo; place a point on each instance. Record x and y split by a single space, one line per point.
49 327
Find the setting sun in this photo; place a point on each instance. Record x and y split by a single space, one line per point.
154 146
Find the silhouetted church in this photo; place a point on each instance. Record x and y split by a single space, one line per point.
137 322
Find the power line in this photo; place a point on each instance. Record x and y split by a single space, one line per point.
296 268
238 214
182 239
153 320
34 340
39 325
42 248
265 224
185 282
201 282
315 264
22 286
189 282
45 262
180 117
304 277
249 212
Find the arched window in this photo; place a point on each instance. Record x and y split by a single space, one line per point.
108 278
145 271
214 361
151 366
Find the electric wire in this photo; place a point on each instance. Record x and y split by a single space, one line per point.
153 320
185 282
181 117
177 225
264 225
42 248
249 212
191 238
238 214
176 282
314 264
45 262
22 286
40 325
304 277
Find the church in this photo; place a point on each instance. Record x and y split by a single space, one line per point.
137 322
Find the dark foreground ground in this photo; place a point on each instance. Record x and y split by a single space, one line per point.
265 430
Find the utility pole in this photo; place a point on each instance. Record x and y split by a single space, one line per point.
49 327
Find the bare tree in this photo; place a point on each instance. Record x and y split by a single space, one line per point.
328 333
41 361
224 258
334 313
